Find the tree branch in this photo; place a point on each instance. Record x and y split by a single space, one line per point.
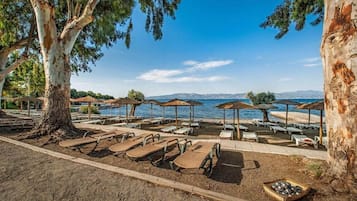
17 45
46 26
13 66
73 28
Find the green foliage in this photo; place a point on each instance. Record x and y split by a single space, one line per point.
84 109
14 21
78 94
27 79
315 169
294 12
261 98
136 95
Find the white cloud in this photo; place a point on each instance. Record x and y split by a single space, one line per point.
312 64
311 59
157 74
206 65
285 79
188 79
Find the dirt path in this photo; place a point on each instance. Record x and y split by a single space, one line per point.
28 175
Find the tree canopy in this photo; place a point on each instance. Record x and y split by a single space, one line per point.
294 12
79 94
261 98
136 95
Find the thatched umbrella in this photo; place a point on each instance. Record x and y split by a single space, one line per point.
287 103
192 108
151 102
265 107
175 103
236 105
86 99
319 105
125 101
111 102
27 99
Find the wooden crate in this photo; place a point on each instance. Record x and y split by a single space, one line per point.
271 192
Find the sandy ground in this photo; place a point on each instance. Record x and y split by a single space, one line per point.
28 175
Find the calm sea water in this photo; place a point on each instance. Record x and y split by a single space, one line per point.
207 110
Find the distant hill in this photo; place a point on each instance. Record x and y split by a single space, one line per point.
308 94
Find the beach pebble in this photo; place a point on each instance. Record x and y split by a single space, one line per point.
286 189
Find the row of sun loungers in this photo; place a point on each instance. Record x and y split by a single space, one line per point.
289 130
174 129
231 127
198 156
228 134
16 123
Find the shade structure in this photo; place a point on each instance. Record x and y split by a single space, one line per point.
151 102
125 101
86 99
175 103
287 103
28 99
318 105
236 105
192 108
111 102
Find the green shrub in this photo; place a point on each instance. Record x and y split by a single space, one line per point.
84 109
315 169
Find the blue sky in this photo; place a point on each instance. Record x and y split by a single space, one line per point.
211 47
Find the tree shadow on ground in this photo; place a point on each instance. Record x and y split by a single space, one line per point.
230 165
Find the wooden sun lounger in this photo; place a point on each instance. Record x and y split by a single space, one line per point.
168 129
226 134
85 140
132 142
275 129
250 136
292 130
197 157
164 145
184 131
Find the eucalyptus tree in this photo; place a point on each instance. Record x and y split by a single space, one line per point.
17 29
135 95
262 98
72 31
339 58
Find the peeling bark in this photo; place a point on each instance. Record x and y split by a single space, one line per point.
338 50
56 49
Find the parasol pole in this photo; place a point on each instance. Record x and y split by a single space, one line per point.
89 110
320 126
286 116
308 123
238 128
176 115
234 119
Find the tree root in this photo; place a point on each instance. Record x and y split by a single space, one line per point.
55 134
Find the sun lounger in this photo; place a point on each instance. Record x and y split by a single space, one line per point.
132 142
85 140
128 125
228 126
197 157
250 136
276 129
184 131
193 124
324 140
168 129
292 130
226 134
96 121
303 139
163 146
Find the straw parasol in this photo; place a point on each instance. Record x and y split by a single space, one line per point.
151 102
318 105
175 103
236 105
192 108
125 101
287 103
86 99
111 102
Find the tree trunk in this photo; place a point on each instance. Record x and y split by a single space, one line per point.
132 110
265 115
339 55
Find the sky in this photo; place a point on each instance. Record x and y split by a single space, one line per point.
211 47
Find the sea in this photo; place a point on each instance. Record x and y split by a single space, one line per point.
207 110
